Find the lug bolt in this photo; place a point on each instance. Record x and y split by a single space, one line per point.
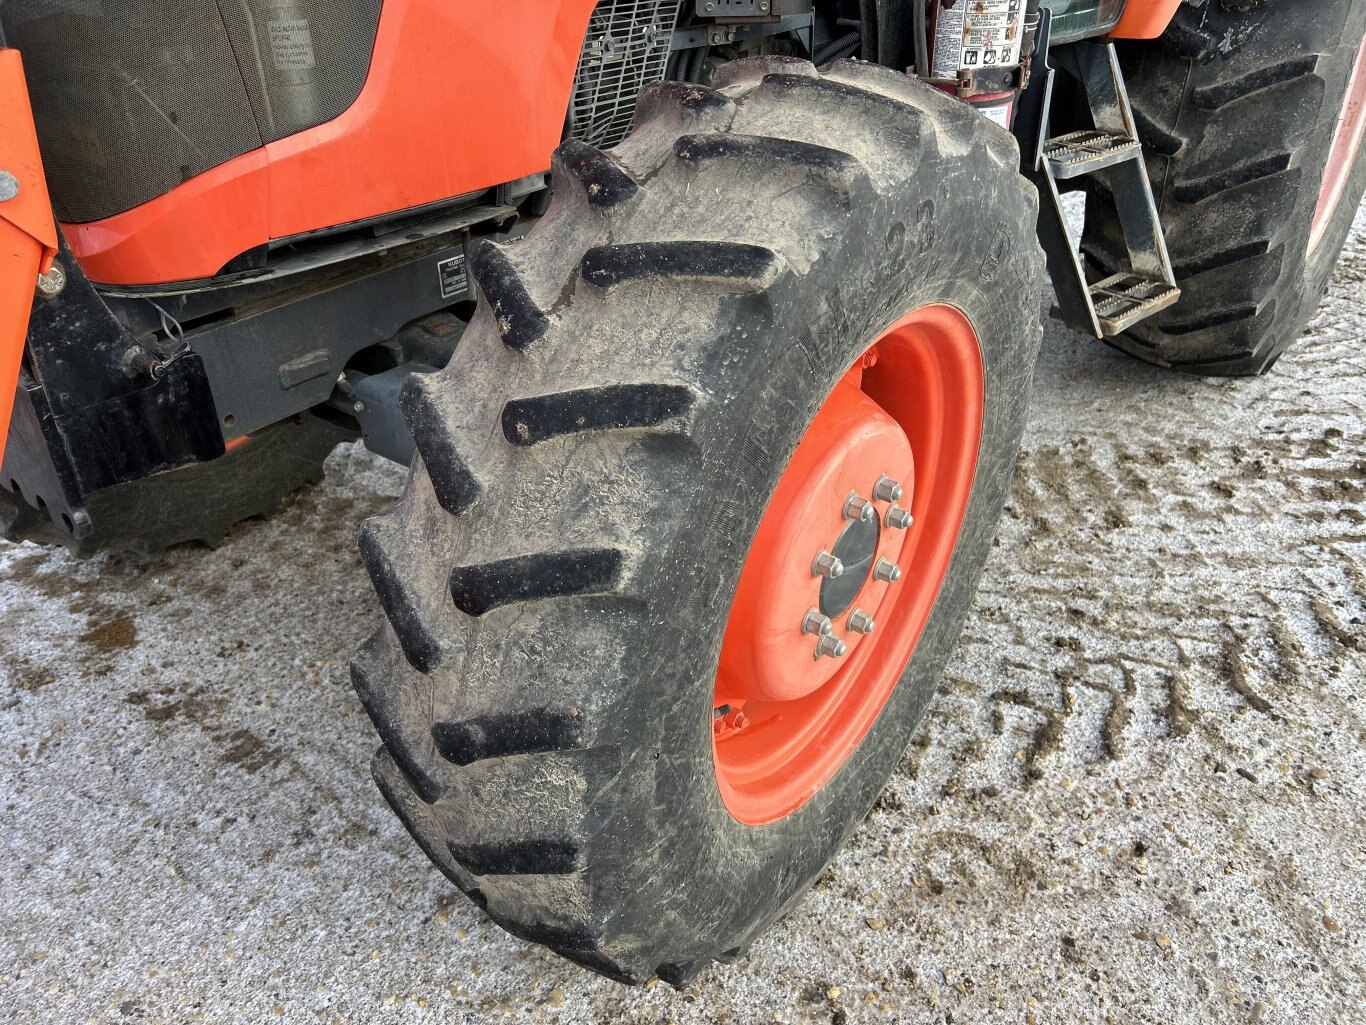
832 646
856 507
50 285
899 518
887 490
887 571
860 622
815 623
826 565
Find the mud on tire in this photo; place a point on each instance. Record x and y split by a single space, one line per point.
595 459
1237 105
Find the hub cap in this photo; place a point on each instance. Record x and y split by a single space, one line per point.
877 488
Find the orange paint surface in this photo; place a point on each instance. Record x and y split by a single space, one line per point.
1145 19
28 237
460 97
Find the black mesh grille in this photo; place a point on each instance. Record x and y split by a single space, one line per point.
131 99
626 47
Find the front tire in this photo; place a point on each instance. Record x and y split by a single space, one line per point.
595 462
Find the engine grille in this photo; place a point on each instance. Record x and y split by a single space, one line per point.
626 48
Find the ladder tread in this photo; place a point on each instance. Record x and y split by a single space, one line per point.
1122 300
1084 152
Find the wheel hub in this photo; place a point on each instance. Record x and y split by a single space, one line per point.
856 550
850 446
846 563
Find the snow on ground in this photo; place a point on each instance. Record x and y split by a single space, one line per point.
1138 798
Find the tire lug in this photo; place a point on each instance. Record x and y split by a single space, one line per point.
815 623
887 490
887 571
832 646
856 507
860 622
899 518
826 565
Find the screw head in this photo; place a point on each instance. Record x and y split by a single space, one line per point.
887 490
887 571
9 186
50 285
826 565
815 623
856 507
832 646
860 622
899 518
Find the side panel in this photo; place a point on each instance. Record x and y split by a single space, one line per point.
1145 19
28 238
460 97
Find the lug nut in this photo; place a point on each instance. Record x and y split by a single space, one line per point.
887 571
826 565
832 646
50 285
860 622
856 507
887 490
815 623
899 518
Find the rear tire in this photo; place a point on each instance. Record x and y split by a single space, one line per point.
595 460
1237 106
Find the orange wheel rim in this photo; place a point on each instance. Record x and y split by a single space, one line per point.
846 564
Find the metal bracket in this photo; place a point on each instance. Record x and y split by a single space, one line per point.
733 8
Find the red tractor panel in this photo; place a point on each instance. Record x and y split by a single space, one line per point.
448 107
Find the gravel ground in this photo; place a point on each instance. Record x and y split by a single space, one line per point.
1139 797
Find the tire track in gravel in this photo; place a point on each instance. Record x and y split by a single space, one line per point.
1162 634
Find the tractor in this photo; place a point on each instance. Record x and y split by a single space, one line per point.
706 328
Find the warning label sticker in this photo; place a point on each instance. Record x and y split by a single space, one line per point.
975 34
455 283
291 44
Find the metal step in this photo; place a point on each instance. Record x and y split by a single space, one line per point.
1122 300
1070 156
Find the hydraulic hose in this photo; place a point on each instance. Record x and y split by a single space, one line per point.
836 48
922 36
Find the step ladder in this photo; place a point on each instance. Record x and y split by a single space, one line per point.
1112 154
